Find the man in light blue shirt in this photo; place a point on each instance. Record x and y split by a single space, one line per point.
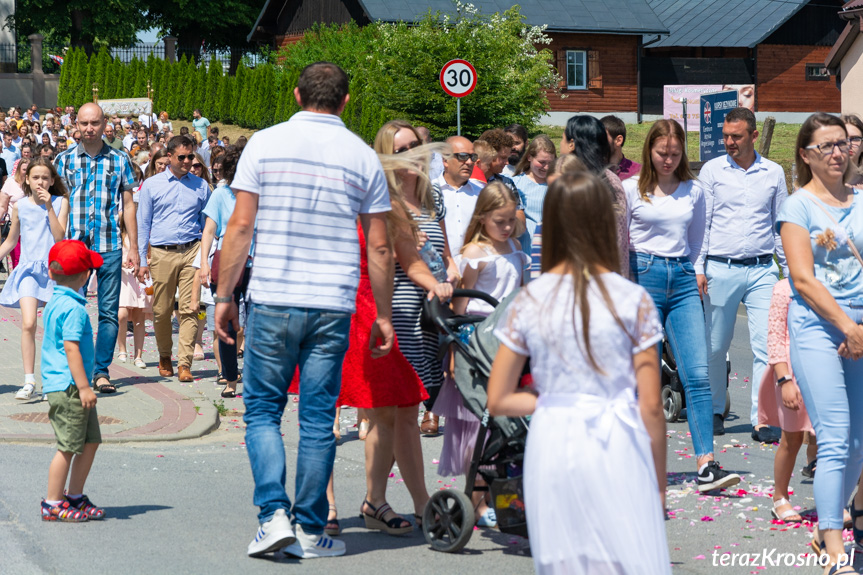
200 123
744 193
10 152
170 223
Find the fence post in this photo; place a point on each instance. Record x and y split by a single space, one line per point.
170 48
767 135
36 69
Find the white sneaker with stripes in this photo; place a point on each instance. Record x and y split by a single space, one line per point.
272 535
308 546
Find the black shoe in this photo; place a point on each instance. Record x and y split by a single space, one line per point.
718 425
765 435
809 469
714 477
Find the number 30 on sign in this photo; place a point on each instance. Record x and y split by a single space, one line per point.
458 78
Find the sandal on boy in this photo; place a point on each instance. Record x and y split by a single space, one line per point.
62 512
395 526
84 505
784 515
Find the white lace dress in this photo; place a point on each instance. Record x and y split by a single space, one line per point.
591 494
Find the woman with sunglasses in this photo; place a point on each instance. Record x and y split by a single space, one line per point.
821 226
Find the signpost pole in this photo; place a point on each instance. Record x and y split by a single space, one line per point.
458 116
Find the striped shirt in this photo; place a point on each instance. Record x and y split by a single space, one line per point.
96 185
313 177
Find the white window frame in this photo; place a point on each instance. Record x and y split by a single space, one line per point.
572 66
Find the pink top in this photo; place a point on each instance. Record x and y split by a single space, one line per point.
771 410
778 346
14 191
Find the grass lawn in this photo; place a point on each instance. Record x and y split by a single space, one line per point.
229 130
781 148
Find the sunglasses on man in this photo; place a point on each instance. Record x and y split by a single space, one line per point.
464 157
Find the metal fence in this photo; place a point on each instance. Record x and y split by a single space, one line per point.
15 58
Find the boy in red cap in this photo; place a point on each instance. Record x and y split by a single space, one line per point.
67 368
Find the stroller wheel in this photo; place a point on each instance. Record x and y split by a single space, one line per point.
672 403
448 521
727 409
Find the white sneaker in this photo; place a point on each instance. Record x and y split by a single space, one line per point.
44 397
308 546
140 363
25 392
272 535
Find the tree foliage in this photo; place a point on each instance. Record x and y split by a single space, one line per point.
393 71
78 22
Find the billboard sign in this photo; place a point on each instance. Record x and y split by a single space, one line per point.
713 108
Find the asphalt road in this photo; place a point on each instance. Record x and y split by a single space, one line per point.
186 507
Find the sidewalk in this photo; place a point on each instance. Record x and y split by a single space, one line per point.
146 407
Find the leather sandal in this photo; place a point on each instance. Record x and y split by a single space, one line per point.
430 424
395 526
332 527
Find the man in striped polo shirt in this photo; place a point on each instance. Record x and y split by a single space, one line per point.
305 181
100 181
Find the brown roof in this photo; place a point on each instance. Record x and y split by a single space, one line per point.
852 5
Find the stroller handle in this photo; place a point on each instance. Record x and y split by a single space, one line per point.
472 293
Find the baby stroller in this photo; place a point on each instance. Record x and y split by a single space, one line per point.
673 396
448 518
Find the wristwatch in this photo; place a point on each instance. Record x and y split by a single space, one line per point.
223 299
782 380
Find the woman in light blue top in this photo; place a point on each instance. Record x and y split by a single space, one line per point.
218 211
822 232
530 179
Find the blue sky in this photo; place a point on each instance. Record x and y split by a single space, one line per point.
148 36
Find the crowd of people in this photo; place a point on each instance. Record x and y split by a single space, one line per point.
325 270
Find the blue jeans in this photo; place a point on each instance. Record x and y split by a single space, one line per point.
108 295
279 339
833 395
727 286
671 283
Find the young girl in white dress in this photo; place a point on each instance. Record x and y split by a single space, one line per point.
39 219
492 262
594 467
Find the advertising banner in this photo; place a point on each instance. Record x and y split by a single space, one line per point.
672 105
125 107
713 109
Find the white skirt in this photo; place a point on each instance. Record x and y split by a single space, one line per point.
591 494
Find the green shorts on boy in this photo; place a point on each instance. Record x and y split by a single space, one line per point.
67 370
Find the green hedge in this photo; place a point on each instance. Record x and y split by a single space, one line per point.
393 70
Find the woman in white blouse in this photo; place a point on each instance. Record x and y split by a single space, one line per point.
666 214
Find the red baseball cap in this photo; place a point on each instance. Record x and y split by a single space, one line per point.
74 257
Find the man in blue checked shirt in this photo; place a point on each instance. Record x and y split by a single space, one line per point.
100 181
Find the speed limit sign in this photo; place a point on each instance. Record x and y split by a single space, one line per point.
458 78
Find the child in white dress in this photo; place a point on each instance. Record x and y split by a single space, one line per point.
594 467
491 262
39 219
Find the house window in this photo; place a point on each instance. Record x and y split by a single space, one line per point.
576 69
817 72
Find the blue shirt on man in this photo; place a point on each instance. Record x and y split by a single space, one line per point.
10 155
170 210
65 319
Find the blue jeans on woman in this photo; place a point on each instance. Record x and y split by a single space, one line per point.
832 390
278 340
672 285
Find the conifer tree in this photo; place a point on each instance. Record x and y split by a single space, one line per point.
214 81
225 93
